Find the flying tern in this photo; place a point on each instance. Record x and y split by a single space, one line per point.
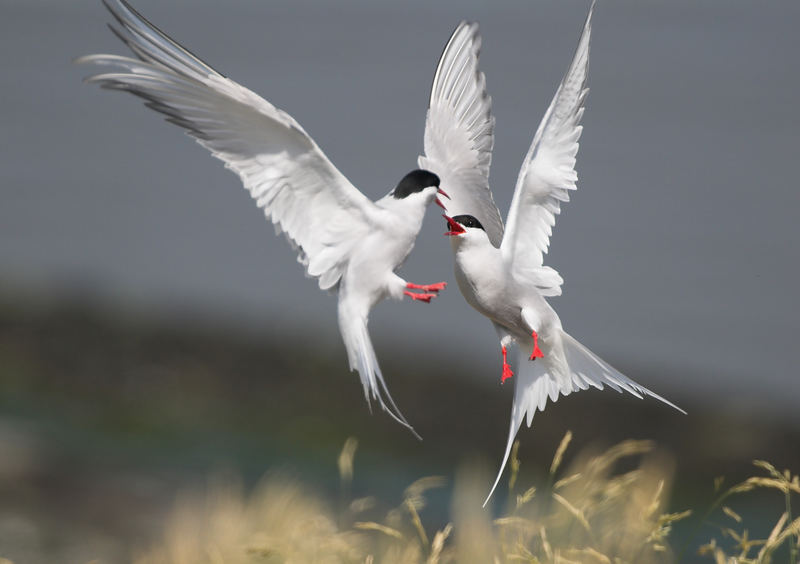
500 271
351 244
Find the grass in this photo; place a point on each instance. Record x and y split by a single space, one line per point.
103 418
604 507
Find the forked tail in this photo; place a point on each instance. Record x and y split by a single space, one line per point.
362 358
571 367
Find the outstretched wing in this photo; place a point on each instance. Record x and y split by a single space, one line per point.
548 172
459 132
290 178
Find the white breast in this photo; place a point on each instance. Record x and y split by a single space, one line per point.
486 283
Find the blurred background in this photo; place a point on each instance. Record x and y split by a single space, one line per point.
153 330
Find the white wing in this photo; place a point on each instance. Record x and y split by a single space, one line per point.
285 171
548 172
459 132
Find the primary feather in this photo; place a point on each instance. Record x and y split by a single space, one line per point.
459 131
291 179
548 171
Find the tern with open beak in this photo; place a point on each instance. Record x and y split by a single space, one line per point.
500 271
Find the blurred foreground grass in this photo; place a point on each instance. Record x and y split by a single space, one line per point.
104 418
605 507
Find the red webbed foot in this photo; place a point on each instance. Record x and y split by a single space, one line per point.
537 352
507 373
421 297
427 287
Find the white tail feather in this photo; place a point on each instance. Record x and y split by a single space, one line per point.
536 381
362 358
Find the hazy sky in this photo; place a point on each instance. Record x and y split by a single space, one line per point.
679 250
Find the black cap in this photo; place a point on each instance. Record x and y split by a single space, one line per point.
415 181
468 221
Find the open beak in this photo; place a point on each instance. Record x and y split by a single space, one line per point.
454 226
438 201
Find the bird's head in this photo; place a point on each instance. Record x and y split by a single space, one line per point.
462 225
465 229
419 184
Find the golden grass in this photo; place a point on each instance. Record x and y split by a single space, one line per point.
605 507
588 512
742 549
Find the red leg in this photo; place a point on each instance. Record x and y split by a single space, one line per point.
421 297
427 287
506 369
537 352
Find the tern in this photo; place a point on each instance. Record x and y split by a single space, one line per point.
351 244
500 271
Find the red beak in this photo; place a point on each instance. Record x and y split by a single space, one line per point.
455 227
439 202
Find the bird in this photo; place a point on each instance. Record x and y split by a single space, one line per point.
498 269
351 244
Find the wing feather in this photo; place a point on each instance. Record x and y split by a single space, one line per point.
459 131
286 173
548 172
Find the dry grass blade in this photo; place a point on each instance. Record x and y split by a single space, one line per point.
777 484
769 545
524 555
667 518
513 466
438 544
548 550
769 468
345 461
564 482
656 503
525 497
362 504
587 555
791 530
371 526
422 485
731 513
414 493
663 527
577 513
559 455
412 510
621 450
513 522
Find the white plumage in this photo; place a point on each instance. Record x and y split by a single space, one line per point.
501 274
349 243
459 131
